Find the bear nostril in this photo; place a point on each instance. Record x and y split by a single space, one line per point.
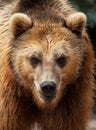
48 87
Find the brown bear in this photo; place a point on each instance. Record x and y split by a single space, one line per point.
46 66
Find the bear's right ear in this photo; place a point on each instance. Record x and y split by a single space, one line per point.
76 22
19 23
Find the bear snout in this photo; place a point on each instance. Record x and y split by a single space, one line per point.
48 90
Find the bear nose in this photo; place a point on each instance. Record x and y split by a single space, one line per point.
48 88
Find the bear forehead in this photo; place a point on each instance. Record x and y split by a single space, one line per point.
53 38
49 33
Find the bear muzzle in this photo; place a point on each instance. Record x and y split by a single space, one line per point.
48 90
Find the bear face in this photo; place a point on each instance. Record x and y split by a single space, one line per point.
43 54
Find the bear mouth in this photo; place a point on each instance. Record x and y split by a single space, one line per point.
47 98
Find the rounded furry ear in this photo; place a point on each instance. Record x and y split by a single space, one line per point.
76 22
19 23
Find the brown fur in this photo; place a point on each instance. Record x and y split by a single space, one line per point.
47 30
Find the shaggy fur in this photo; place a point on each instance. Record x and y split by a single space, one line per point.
44 40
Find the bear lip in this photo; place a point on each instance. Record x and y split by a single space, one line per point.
47 98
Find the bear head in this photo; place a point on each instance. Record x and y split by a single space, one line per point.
46 55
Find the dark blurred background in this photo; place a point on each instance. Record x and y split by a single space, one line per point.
89 8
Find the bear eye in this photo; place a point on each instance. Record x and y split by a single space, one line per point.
34 61
61 61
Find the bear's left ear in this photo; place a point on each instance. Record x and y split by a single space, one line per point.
76 22
19 23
